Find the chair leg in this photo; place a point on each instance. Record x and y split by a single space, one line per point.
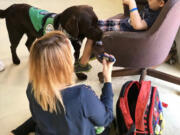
143 74
163 76
121 72
125 72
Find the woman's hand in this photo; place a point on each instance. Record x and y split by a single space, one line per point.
107 69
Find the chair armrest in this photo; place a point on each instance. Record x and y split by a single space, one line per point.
131 49
118 16
123 35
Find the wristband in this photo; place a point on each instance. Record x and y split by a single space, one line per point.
134 9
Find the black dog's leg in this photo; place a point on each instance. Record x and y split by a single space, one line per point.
14 36
29 42
14 55
77 46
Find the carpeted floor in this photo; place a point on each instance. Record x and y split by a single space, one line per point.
13 81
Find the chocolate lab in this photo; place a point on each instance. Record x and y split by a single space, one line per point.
77 22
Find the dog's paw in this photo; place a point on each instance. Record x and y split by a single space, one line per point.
16 61
81 76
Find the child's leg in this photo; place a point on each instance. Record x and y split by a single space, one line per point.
87 52
88 46
108 25
82 65
24 129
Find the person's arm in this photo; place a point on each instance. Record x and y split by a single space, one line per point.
135 19
100 112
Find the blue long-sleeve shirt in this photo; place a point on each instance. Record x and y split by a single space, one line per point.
83 111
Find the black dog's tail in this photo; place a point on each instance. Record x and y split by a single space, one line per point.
2 13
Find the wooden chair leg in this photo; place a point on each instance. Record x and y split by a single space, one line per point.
125 72
143 74
163 76
120 72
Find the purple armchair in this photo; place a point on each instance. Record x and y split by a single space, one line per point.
137 52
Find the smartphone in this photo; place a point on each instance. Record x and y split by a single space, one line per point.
108 58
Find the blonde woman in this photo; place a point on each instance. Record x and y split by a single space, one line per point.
58 107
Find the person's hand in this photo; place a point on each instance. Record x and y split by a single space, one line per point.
126 2
107 69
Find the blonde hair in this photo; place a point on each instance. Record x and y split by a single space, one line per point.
50 69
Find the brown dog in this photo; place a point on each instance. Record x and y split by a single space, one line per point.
78 21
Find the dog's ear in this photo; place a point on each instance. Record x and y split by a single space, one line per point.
56 21
72 27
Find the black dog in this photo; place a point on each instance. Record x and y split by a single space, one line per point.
78 21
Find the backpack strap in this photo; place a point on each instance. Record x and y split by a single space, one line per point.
144 95
124 105
151 110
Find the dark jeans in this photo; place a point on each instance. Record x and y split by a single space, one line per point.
24 129
29 126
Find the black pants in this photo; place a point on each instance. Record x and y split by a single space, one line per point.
24 129
29 126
